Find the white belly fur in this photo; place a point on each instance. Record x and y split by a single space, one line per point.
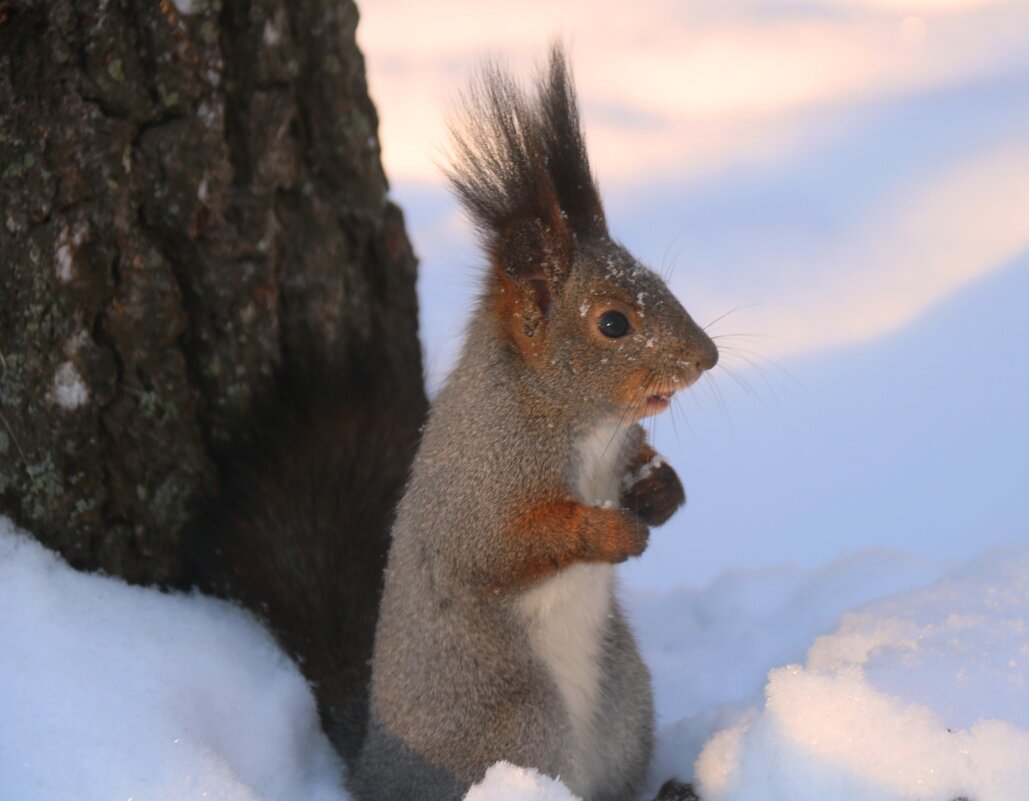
566 615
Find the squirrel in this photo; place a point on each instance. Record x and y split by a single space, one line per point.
499 635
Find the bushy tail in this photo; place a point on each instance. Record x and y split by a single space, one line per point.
300 531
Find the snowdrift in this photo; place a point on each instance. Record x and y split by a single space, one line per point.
109 691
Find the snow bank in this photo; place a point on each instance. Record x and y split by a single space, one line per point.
710 649
919 696
114 692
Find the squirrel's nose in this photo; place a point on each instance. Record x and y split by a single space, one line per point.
708 357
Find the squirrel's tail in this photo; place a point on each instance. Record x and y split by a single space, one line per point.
300 530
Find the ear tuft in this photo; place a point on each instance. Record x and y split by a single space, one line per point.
520 170
563 141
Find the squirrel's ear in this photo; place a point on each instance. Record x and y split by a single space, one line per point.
536 256
519 168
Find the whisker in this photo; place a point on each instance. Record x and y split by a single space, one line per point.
664 256
619 424
712 390
689 426
721 317
675 410
650 383
771 380
673 265
751 335
753 358
740 381
738 308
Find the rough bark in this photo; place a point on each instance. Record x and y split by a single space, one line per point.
191 195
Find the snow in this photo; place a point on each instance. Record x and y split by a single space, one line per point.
710 649
854 176
919 691
112 692
919 696
507 782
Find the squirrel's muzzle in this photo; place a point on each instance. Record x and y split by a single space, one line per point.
708 357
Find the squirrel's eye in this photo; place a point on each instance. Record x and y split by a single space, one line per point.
613 324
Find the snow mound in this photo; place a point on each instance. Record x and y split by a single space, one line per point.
710 649
507 782
919 696
109 691
112 692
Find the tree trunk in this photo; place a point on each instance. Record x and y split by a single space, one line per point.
191 195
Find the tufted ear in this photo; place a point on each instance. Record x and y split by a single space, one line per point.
519 168
535 256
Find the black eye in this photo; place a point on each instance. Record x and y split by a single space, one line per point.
613 324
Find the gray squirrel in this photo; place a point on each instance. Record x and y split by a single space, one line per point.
499 635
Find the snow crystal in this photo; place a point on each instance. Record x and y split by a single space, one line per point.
642 472
650 467
918 696
507 782
68 391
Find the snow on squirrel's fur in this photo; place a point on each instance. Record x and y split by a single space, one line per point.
111 691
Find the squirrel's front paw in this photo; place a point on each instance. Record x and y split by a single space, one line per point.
655 496
638 536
